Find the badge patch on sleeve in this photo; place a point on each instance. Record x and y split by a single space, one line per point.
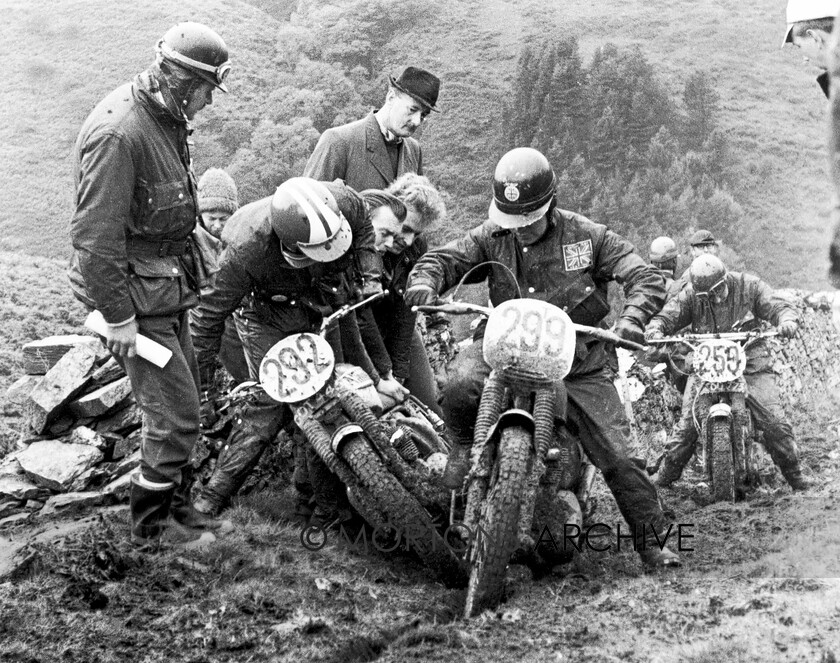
578 255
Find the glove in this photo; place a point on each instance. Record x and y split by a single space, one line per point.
630 330
419 295
788 328
653 333
370 288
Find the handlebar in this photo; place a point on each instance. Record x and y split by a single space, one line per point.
464 308
688 339
347 308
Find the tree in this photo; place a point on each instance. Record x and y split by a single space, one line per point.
701 103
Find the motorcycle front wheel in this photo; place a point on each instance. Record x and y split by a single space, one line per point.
403 512
496 536
723 469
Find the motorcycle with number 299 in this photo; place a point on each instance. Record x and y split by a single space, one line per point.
524 474
720 410
387 462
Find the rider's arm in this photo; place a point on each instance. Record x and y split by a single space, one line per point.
207 321
354 349
765 304
373 341
675 315
441 269
644 286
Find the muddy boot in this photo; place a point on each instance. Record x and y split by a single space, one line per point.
654 558
236 461
795 479
329 494
457 465
151 524
667 474
185 513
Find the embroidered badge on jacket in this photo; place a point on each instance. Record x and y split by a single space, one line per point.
578 255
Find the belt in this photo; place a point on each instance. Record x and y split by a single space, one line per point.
145 248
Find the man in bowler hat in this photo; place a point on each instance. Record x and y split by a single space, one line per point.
372 152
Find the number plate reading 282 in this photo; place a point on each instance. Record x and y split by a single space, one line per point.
719 360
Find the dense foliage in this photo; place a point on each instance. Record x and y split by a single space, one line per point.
626 152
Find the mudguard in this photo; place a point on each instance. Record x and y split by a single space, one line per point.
342 433
719 410
512 417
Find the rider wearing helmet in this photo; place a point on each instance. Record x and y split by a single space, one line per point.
289 260
529 247
136 262
718 301
663 255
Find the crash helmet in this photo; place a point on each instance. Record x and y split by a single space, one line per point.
523 188
307 221
707 274
662 249
198 49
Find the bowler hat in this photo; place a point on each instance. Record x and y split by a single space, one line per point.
702 237
420 84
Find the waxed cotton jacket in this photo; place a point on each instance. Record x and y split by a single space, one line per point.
135 207
252 267
748 297
570 267
388 325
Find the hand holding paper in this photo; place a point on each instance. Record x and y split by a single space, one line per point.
147 348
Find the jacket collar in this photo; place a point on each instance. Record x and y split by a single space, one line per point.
149 93
377 152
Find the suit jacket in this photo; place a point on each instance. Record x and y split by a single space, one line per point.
356 153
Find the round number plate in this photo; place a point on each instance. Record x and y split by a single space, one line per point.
296 368
719 360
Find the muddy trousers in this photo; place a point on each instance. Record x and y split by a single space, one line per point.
594 413
255 426
168 398
766 408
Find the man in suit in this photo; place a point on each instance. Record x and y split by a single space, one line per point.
372 152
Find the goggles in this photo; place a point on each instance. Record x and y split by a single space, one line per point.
215 75
716 290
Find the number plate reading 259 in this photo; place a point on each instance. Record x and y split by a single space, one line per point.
719 360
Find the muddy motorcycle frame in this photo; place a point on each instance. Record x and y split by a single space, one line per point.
518 476
387 464
719 409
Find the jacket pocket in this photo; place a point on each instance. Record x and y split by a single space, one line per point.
158 286
168 209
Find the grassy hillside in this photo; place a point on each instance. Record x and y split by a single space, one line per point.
58 67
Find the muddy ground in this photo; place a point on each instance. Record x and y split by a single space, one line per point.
762 583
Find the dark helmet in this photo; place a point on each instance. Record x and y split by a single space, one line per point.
523 188
706 272
199 49
306 218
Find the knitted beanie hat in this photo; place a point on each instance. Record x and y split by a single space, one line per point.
217 192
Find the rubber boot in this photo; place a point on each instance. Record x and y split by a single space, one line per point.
793 476
236 461
152 527
457 465
655 556
332 507
186 514
668 473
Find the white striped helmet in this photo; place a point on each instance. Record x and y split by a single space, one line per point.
306 218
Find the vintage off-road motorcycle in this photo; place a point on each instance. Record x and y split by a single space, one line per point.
388 463
525 476
720 412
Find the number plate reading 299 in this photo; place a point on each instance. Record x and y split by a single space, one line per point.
719 360
531 335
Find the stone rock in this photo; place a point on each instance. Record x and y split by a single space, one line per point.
60 426
85 435
73 502
93 477
34 505
15 519
126 464
54 464
119 487
40 356
10 507
108 372
59 386
127 445
19 392
102 400
19 487
126 419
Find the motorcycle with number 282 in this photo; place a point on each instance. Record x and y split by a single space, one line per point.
525 475
720 409
388 461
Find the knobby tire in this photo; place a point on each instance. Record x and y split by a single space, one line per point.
496 537
403 511
723 467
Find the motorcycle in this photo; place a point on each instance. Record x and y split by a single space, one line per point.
720 411
525 476
388 463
